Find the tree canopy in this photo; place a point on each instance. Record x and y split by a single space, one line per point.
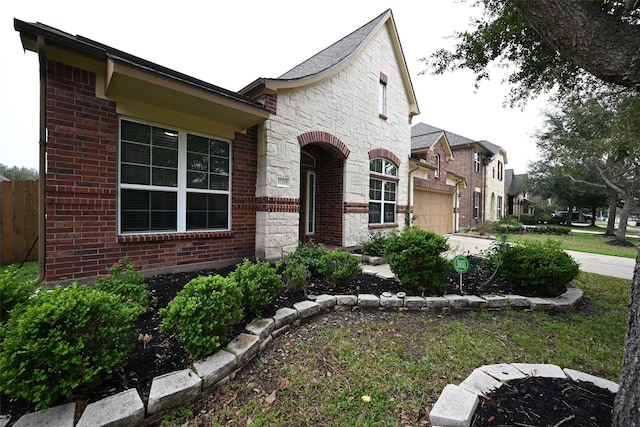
504 36
15 173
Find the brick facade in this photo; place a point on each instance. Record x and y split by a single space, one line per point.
81 194
464 165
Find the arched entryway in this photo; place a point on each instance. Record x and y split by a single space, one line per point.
322 159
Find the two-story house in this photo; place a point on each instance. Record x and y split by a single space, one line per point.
481 164
141 161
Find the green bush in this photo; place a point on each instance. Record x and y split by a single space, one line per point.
549 229
309 254
296 275
62 340
260 284
415 256
508 225
123 280
375 245
538 265
527 219
203 314
339 266
14 291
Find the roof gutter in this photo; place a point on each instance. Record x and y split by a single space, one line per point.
42 182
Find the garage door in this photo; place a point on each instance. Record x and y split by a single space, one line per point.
433 211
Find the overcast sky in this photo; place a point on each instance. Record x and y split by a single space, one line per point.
231 43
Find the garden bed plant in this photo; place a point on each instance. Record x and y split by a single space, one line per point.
83 343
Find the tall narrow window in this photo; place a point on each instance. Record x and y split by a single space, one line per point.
382 96
499 208
311 202
500 170
437 165
476 161
476 205
382 192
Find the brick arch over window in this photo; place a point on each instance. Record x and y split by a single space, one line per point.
330 142
385 154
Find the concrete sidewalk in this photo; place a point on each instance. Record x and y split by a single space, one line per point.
606 265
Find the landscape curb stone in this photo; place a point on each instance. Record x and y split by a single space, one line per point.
120 410
185 386
457 404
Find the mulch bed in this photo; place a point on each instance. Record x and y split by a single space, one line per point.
538 401
157 353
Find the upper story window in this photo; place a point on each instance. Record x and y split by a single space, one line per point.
382 96
382 192
172 180
437 165
476 161
500 170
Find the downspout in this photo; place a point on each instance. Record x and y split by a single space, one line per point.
484 190
472 196
42 247
409 192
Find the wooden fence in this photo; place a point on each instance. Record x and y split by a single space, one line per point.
18 221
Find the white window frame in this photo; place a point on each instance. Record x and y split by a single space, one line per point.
436 173
181 188
310 208
476 204
499 207
476 161
389 170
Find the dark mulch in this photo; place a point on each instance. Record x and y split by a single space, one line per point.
526 402
157 353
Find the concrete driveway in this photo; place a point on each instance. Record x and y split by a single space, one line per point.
606 265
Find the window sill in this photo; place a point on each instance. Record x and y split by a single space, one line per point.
162 237
381 226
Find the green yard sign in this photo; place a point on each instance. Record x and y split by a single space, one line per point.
461 264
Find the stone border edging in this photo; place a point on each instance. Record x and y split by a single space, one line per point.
457 403
179 388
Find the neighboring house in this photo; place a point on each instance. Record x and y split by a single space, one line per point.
435 188
4 178
179 174
481 164
518 201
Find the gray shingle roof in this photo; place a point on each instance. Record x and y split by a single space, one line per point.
421 131
334 54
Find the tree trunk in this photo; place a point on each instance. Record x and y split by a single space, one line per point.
611 220
626 410
582 32
621 235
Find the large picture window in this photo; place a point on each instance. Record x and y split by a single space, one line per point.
172 180
382 192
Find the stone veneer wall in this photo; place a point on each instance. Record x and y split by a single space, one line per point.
346 107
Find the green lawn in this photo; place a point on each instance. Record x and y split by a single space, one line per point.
318 373
584 242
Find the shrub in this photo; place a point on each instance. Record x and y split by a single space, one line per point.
527 219
14 291
415 256
296 275
309 254
508 225
260 284
549 229
339 266
535 265
62 340
375 245
123 280
203 314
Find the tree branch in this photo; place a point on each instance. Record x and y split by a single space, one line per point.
584 33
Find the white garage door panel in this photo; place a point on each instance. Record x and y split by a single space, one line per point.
434 211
